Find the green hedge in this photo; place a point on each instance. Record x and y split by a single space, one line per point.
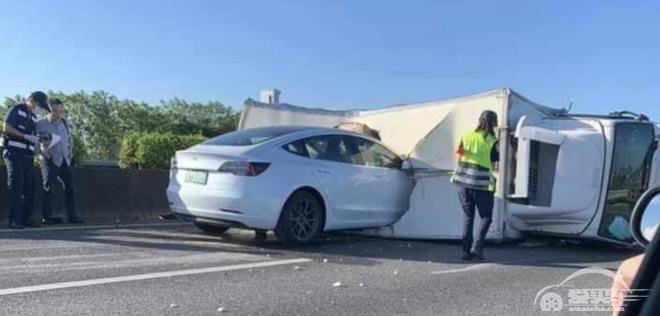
153 150
79 150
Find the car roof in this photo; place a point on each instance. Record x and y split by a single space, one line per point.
291 132
285 130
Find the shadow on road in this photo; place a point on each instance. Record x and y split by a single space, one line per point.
343 248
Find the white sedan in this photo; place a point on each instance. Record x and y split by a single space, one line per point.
297 181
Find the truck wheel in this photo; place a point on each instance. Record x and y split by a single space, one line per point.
301 219
211 229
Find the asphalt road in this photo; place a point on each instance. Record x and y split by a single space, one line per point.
173 269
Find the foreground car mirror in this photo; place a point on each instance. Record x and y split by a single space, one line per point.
645 218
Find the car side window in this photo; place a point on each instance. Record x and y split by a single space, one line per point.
375 155
337 148
298 148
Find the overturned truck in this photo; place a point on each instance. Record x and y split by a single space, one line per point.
562 174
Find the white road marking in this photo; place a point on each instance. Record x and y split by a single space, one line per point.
146 276
472 267
109 226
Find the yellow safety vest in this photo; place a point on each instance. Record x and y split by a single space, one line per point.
474 166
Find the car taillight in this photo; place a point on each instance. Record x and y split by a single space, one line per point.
242 168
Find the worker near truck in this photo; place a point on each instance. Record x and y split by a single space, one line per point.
477 156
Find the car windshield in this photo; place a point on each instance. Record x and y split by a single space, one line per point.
251 136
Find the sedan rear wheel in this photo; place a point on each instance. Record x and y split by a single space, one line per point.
301 220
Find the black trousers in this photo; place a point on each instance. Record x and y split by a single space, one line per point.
483 201
49 173
20 185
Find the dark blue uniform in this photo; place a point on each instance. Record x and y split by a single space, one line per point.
18 154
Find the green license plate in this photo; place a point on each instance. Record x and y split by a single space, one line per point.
196 177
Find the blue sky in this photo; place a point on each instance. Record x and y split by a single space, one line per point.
599 55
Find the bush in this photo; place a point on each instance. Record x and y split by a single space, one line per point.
152 150
127 151
79 150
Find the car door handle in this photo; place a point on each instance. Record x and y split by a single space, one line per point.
323 171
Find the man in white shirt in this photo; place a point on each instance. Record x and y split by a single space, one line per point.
57 162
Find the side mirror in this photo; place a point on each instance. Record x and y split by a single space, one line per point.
406 165
645 218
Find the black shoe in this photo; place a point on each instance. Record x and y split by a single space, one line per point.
467 257
30 223
51 220
15 225
75 220
479 255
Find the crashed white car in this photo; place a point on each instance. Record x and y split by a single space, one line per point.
297 181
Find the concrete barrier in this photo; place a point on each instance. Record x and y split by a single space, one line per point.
103 195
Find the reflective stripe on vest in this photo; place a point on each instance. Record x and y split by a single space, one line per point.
16 144
23 120
474 167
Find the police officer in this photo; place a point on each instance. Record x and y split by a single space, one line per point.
19 141
477 154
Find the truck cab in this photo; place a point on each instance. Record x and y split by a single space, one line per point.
580 175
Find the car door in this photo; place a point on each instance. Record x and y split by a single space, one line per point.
390 193
343 181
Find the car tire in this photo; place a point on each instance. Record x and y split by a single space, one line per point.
301 220
211 229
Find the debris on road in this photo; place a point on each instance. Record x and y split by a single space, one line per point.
297 267
221 310
325 260
338 284
167 216
173 305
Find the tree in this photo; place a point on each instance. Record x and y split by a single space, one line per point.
210 119
100 120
